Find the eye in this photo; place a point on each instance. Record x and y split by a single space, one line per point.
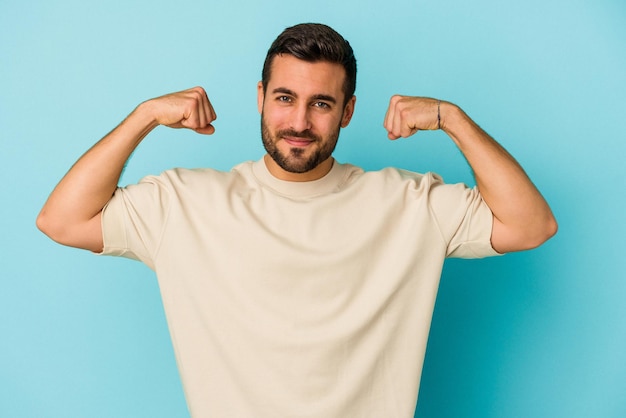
321 105
283 99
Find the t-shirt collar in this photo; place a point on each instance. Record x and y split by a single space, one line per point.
327 184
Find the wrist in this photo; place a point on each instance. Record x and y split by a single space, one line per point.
139 123
451 117
145 115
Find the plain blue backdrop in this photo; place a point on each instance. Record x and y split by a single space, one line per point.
534 334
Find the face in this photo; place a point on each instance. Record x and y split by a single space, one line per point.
302 111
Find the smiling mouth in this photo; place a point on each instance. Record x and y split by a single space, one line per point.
298 141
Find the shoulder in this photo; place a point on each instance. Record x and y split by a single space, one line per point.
181 177
399 178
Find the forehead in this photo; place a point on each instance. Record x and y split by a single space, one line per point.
306 78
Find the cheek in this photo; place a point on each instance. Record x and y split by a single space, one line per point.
329 124
276 118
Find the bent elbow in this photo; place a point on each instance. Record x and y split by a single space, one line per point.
50 228
61 229
524 235
41 223
548 229
552 228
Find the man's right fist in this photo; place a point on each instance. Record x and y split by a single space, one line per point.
189 109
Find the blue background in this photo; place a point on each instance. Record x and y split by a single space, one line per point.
534 334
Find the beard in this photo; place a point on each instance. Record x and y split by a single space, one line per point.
296 160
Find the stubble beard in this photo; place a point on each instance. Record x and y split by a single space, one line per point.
295 161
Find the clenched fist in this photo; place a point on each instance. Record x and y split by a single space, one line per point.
189 109
406 115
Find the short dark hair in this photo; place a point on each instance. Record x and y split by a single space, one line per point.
314 42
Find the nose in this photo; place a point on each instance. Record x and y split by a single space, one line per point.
300 118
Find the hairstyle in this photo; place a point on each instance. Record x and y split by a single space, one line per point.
314 42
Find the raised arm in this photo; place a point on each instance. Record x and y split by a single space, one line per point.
522 217
71 215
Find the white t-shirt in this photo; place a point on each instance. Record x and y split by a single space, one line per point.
288 299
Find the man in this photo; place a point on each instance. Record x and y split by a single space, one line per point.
295 286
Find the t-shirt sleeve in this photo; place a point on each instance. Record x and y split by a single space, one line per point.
134 218
463 217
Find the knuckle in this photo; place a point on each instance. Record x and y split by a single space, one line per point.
396 98
405 112
198 89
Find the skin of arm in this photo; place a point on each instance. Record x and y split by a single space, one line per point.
522 218
72 213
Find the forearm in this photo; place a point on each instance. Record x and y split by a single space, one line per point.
89 184
523 218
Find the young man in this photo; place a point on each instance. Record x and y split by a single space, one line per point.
295 285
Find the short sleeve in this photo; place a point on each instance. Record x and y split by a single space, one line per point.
134 218
464 219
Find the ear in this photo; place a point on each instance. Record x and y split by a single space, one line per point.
348 111
260 96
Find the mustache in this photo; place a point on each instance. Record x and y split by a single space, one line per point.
307 134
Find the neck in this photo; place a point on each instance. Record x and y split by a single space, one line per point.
317 173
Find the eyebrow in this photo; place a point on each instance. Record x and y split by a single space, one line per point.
324 97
